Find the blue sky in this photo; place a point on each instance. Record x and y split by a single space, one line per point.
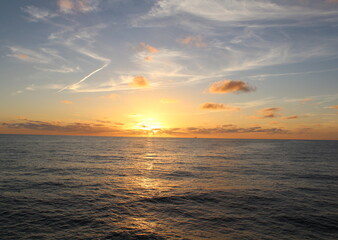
135 53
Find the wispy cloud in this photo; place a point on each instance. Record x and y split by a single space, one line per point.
61 69
246 41
38 14
148 48
319 99
67 102
44 59
256 103
218 106
230 86
28 55
234 11
304 100
333 107
196 41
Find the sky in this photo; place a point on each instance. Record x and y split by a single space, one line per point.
264 69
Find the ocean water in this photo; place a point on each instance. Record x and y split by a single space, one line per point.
65 187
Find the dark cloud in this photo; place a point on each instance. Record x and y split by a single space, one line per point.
101 127
76 127
222 130
229 86
291 117
267 113
218 106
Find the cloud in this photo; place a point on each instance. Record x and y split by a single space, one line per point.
66 102
45 59
23 57
148 58
147 48
28 55
76 127
114 128
267 113
139 82
37 14
230 86
304 100
256 103
61 69
90 54
168 100
291 117
72 6
248 34
66 5
196 41
228 11
224 129
333 107
218 106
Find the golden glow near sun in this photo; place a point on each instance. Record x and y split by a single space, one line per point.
149 124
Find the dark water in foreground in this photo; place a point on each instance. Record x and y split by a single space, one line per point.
56 187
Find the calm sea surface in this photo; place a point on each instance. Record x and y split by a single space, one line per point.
57 187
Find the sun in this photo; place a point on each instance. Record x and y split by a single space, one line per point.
150 124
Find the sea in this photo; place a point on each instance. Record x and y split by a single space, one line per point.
79 187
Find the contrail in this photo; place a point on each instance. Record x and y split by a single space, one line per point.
83 79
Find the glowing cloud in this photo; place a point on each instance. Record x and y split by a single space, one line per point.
139 82
148 58
23 57
333 107
229 86
66 5
66 102
71 6
196 41
306 100
218 106
148 48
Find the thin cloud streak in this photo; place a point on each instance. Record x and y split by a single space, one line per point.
72 86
